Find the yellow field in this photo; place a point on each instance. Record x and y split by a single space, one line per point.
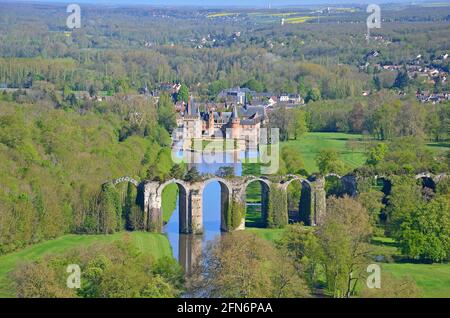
298 20
283 14
222 14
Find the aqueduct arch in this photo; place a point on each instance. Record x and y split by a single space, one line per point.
233 193
226 191
183 190
264 199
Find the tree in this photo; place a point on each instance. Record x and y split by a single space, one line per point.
425 233
405 198
281 119
293 160
166 113
183 94
242 265
372 201
377 83
160 170
92 91
356 118
376 154
297 125
328 161
216 87
402 79
226 172
178 171
302 246
132 213
114 270
313 95
254 85
344 238
193 175
437 122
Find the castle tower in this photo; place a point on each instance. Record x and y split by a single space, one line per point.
210 122
235 124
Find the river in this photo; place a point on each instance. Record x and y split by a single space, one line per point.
187 247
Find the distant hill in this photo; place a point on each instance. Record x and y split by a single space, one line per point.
248 3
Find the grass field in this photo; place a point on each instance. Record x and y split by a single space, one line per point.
253 217
432 279
310 144
169 201
268 234
298 20
156 245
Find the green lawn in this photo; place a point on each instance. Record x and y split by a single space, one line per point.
253 217
439 147
156 245
432 279
310 144
268 234
169 201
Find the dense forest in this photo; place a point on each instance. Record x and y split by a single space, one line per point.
54 161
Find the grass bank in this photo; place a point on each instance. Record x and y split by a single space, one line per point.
155 245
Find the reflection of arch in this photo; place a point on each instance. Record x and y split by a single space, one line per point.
225 197
185 218
265 192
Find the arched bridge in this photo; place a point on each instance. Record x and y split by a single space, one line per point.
233 199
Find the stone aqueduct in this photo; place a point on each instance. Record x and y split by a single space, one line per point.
233 191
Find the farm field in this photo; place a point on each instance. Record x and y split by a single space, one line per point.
155 245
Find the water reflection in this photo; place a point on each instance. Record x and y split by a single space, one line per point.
188 248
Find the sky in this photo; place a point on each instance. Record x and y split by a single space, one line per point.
243 3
